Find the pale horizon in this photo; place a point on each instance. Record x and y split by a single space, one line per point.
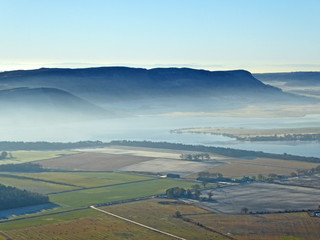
258 36
214 67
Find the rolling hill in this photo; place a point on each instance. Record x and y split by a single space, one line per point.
37 103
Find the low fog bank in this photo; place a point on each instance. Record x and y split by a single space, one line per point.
136 128
158 129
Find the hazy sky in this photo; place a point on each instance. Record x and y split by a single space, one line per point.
257 35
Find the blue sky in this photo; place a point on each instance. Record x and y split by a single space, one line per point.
257 35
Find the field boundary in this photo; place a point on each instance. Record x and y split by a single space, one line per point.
78 209
206 228
136 223
36 180
42 215
104 186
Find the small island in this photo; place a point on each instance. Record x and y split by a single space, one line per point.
276 134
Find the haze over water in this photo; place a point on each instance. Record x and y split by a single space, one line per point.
158 129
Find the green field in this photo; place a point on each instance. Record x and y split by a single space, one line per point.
116 193
34 186
86 179
109 192
129 189
30 156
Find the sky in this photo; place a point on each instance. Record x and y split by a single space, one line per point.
256 35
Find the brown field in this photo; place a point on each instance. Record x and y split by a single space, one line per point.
160 216
288 226
92 162
237 167
139 151
100 226
244 227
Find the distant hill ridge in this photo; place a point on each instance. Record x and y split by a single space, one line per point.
157 77
50 102
143 90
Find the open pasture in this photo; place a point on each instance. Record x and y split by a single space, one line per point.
83 198
86 179
262 197
92 162
30 156
35 186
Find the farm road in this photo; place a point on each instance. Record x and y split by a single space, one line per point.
103 186
136 223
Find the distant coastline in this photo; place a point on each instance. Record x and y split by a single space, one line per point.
259 135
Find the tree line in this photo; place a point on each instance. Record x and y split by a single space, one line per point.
194 193
23 167
230 152
11 197
13 146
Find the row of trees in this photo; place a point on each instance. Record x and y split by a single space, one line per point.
12 146
11 197
195 157
206 174
23 167
286 137
193 193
